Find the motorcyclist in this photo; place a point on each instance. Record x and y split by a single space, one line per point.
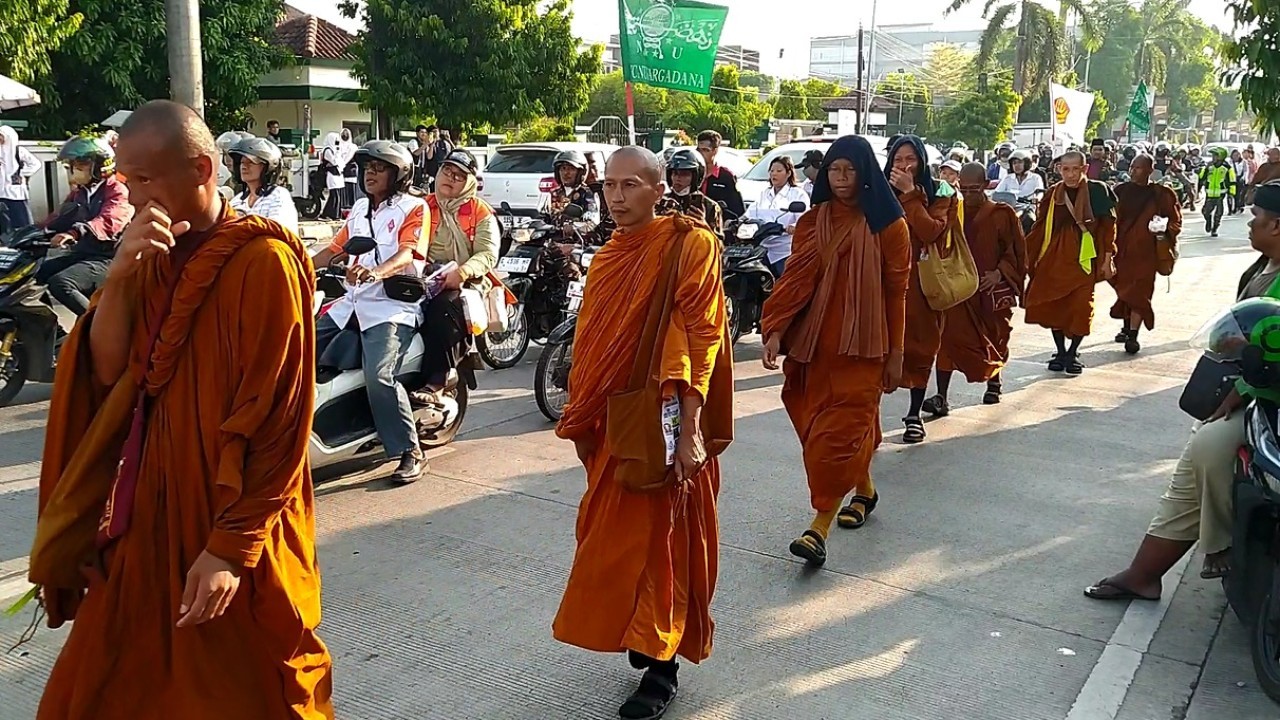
999 165
595 181
1163 157
89 223
395 219
1020 181
1218 181
256 169
685 171
226 141
1126 158
570 168
960 153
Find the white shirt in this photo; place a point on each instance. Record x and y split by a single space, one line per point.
808 189
1029 184
402 220
333 154
15 160
276 205
772 207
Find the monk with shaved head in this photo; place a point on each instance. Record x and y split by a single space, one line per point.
176 521
650 409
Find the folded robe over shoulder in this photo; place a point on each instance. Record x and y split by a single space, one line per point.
231 385
1062 266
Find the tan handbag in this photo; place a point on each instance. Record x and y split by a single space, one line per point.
1166 254
950 280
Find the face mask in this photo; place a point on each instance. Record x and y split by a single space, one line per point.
80 176
683 192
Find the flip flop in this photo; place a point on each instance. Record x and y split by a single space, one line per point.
651 700
1107 589
811 548
851 517
1214 571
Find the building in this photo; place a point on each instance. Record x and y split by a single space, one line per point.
736 55
895 47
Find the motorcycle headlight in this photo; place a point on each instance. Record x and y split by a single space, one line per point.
522 235
746 232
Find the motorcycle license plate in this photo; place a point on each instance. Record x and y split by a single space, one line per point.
576 289
514 264
575 304
587 258
737 251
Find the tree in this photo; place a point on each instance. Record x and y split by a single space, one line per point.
32 29
1253 63
1163 25
544 130
790 101
981 120
726 85
816 93
736 122
1041 52
765 85
608 96
1098 115
948 69
471 61
912 103
118 60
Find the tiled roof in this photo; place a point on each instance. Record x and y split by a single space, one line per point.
310 37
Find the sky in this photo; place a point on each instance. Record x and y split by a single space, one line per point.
773 27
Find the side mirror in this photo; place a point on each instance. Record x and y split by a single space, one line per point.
797 207
574 211
359 245
505 207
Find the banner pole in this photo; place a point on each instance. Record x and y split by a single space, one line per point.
631 116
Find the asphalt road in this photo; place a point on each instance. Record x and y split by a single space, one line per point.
960 599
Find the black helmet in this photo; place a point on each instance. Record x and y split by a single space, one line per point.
259 150
573 158
463 160
88 147
392 153
687 159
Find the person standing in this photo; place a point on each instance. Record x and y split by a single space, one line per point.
182 543
1218 180
975 336
1070 249
720 185
418 147
17 165
810 165
331 167
350 171
1243 174
273 131
839 316
933 221
1269 170
652 347
1140 201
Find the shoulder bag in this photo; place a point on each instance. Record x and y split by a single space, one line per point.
949 280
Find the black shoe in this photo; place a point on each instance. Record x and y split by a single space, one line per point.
1057 364
1132 346
411 467
1123 336
1213 234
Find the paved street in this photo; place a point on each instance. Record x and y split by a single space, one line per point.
959 600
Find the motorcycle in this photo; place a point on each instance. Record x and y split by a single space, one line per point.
1026 207
30 337
551 378
748 278
343 429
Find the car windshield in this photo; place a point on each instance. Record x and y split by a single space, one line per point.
521 161
761 170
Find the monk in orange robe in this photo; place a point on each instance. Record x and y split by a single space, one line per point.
1140 202
839 315
930 217
652 344
975 340
1070 249
177 524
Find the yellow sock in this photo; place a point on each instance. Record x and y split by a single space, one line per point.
822 522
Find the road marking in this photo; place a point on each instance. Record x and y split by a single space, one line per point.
1105 689
13 581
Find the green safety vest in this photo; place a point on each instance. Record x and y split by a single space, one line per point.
1219 180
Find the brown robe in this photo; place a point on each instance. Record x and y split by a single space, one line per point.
975 340
928 226
1135 280
1060 293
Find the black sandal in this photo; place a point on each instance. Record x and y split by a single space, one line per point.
1132 346
1109 590
1074 366
851 517
937 406
1057 364
915 430
810 547
1123 336
992 395
651 700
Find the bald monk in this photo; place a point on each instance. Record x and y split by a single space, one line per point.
177 523
838 315
651 336
1070 249
931 211
1135 280
975 340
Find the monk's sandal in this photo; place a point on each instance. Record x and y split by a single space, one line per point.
937 406
914 432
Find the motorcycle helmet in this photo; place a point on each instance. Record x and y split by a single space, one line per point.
1005 147
392 153
228 139
1022 155
87 147
262 151
573 158
1248 334
1163 148
687 159
1218 153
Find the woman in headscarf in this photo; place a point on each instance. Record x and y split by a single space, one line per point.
16 168
350 173
838 315
932 219
331 167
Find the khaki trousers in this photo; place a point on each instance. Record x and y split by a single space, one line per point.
1197 503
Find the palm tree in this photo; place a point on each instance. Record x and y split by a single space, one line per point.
1040 33
1163 26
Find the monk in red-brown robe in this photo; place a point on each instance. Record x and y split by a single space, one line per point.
975 340
651 340
930 216
838 315
1070 249
177 524
1140 202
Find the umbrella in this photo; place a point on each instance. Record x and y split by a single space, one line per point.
117 118
14 95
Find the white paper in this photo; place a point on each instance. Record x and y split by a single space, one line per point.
671 427
1158 224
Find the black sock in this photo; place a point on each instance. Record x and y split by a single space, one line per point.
944 383
665 668
917 400
1133 334
1060 340
1074 350
994 383
639 661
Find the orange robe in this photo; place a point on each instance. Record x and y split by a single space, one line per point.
833 397
928 226
1135 280
975 340
223 469
646 563
1060 292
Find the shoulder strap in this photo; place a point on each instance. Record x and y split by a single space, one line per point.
660 308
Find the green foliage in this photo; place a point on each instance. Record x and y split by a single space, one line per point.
1253 61
31 30
609 97
544 130
118 60
472 61
736 122
1046 42
817 92
1098 115
948 69
726 85
981 120
912 110
764 84
790 103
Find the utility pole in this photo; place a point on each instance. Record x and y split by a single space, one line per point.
871 58
859 95
186 67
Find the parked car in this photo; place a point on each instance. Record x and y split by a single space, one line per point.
522 176
756 180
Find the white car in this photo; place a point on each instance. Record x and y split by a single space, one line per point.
522 175
754 182
733 159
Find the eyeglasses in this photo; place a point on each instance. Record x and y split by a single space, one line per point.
377 167
453 173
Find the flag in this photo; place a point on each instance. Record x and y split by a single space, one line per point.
670 43
1140 110
1069 116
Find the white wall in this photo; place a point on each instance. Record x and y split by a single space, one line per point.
47 154
326 116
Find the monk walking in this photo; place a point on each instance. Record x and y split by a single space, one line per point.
975 340
176 514
1135 280
1070 249
653 365
838 314
930 217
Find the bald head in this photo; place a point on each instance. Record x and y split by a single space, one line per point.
638 161
973 174
169 159
172 126
633 186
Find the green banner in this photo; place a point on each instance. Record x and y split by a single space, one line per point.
1140 110
670 43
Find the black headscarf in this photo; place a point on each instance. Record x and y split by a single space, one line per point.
924 178
875 198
